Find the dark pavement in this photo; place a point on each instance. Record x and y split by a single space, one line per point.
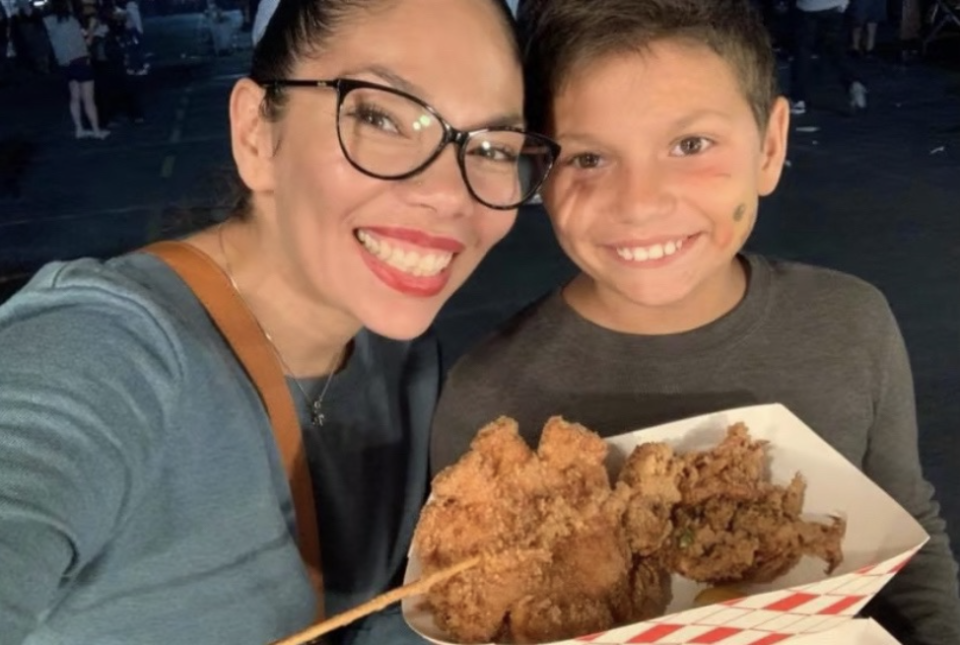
877 195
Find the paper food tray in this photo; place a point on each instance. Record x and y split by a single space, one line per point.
881 537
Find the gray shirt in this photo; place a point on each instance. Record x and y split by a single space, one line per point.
824 344
142 499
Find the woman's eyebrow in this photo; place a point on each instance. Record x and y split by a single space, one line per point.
506 120
391 77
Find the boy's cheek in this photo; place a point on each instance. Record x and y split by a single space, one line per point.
732 231
568 211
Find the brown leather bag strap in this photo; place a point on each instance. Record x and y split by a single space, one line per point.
242 331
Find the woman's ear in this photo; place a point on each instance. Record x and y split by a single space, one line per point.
250 136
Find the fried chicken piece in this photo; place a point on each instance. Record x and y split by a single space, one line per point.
595 557
589 543
473 509
733 469
474 605
591 562
646 594
544 619
714 516
490 503
726 540
589 570
652 473
549 525
574 460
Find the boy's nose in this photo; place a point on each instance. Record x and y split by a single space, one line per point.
643 193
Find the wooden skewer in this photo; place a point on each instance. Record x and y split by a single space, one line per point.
376 604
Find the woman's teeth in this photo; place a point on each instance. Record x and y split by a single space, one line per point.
412 262
653 252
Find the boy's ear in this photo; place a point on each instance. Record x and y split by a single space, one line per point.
774 147
251 136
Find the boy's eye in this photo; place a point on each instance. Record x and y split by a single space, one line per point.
584 161
691 146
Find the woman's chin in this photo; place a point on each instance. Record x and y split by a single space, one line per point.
398 325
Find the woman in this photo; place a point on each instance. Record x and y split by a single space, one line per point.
142 498
73 56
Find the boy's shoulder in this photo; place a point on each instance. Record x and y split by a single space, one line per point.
804 280
831 295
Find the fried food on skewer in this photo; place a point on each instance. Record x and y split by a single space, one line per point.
491 504
549 524
591 563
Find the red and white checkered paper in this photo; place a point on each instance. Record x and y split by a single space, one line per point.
850 632
853 632
881 538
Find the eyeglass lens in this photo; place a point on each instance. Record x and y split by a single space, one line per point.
390 135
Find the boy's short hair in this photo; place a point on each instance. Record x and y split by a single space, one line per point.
562 35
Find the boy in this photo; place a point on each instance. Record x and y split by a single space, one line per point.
672 128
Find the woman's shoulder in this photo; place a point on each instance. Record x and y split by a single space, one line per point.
96 303
96 340
136 280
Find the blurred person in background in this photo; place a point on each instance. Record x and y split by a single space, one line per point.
820 30
72 54
865 15
30 39
125 67
132 18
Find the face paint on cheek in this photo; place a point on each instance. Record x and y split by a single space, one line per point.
728 235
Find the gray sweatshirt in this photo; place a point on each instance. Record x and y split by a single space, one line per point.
824 344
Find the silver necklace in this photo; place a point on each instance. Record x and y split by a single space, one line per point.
317 417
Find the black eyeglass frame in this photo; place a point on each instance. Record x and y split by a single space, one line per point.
344 86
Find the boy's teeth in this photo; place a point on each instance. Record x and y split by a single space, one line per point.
653 252
412 262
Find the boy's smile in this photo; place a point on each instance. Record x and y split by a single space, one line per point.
653 253
657 187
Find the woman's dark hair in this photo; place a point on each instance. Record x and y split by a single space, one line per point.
299 28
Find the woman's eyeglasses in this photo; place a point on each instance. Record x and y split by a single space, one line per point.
388 134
